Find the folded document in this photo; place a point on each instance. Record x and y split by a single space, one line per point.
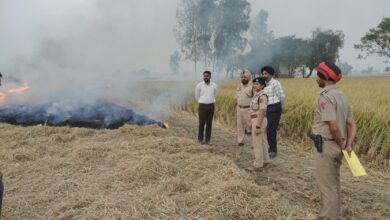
354 164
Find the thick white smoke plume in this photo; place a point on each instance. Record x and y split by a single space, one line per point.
92 51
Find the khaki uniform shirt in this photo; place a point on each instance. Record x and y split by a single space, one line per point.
259 101
332 105
244 94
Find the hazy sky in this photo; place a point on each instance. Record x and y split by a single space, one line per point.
131 34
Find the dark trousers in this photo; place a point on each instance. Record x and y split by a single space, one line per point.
206 114
274 111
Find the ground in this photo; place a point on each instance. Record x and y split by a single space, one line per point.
153 173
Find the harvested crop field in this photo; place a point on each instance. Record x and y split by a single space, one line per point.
153 173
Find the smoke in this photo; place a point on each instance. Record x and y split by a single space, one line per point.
91 51
100 114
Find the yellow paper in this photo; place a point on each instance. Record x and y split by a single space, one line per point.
354 164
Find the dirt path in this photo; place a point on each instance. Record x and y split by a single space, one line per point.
291 172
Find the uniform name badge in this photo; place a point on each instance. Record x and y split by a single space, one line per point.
354 164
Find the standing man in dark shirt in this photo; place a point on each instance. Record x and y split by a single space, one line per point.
275 107
205 93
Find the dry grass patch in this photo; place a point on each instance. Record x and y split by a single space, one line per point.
129 173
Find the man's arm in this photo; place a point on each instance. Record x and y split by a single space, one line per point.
351 133
336 134
235 100
197 92
235 104
280 94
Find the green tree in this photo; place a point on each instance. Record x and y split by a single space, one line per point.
324 46
232 21
194 29
290 52
377 41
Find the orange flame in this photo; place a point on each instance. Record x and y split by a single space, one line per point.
2 96
19 90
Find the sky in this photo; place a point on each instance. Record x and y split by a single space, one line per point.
112 36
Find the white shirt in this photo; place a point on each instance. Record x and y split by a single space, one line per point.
206 93
274 91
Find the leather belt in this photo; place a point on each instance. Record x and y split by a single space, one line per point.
277 103
253 116
243 106
327 139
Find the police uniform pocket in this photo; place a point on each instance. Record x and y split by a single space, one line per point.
254 105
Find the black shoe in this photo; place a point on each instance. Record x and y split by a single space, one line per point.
272 155
248 132
240 144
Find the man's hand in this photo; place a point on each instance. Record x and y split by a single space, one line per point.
348 149
343 145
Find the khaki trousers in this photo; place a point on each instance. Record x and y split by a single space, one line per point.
243 123
327 175
260 144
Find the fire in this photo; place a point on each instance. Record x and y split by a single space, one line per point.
24 87
19 90
2 96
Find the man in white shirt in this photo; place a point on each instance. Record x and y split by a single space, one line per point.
205 93
275 107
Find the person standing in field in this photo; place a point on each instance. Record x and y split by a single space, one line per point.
242 100
275 107
258 109
205 94
333 121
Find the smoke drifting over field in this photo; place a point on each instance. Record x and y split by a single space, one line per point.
87 52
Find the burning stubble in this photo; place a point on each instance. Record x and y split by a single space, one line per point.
92 56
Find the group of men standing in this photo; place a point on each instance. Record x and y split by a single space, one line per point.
244 96
206 92
332 122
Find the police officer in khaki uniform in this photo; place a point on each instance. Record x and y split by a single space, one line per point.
242 100
334 122
258 109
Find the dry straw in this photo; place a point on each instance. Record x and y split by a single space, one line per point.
130 173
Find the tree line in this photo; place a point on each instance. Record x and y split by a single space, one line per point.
213 33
